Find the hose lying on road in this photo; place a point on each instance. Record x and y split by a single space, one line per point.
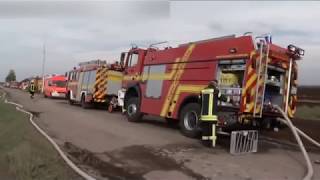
314 142
83 174
296 133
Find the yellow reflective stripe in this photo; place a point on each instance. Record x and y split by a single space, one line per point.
176 77
209 118
207 91
184 89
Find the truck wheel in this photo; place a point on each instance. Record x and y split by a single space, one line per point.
110 108
133 110
189 120
84 105
44 95
70 100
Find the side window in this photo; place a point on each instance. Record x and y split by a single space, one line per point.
85 80
92 80
123 57
133 59
154 87
74 74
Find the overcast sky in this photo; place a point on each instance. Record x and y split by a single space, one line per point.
79 31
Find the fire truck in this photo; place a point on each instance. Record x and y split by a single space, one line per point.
252 71
93 83
55 86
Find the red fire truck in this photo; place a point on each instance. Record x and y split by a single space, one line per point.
55 86
94 82
254 73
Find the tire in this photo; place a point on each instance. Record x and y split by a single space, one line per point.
84 105
70 100
189 120
44 95
133 110
110 108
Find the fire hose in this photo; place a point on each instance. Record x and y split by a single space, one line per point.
83 174
296 133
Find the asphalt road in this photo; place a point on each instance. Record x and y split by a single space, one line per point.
111 148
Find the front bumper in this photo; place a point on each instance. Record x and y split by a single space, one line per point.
58 94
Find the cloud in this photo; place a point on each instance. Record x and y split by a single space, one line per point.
85 9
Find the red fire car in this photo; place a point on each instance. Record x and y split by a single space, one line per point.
55 87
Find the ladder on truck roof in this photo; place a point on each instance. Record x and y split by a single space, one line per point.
262 68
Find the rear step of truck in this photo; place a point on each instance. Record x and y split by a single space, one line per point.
244 142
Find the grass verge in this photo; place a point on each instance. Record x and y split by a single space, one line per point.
24 153
308 112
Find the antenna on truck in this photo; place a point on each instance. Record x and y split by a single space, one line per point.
134 46
247 33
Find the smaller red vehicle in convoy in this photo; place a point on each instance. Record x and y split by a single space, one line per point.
55 87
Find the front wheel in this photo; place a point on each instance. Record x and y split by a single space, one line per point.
110 108
84 104
69 99
133 110
189 120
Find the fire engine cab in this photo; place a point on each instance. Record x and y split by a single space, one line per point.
254 73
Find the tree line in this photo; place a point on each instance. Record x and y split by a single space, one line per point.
11 76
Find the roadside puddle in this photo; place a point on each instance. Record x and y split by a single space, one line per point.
132 162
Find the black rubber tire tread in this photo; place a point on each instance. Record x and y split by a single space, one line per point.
187 108
70 101
84 105
138 115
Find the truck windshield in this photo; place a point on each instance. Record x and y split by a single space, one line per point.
59 83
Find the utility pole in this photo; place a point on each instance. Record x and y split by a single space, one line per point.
43 65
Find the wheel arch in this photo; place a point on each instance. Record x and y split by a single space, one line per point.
132 91
185 101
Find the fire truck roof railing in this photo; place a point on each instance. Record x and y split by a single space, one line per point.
208 40
93 62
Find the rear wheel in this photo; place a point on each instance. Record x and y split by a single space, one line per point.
189 120
84 104
110 108
133 110
69 99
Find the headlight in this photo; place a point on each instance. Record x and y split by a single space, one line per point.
292 48
301 52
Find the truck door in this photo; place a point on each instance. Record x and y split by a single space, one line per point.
151 89
133 65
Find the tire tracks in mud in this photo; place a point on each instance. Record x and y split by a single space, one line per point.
132 162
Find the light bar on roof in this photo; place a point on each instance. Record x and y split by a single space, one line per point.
295 50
